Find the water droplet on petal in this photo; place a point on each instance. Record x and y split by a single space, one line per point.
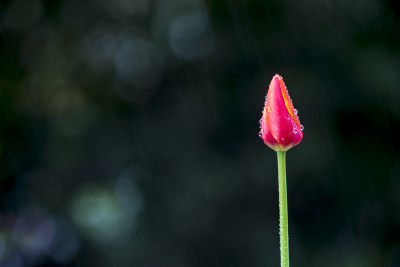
269 109
295 111
301 127
260 134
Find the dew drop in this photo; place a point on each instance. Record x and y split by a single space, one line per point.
259 134
301 127
269 109
295 111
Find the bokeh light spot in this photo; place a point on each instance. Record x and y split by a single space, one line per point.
105 214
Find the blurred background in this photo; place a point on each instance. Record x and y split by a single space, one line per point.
129 132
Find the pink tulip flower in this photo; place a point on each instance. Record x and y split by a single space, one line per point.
280 126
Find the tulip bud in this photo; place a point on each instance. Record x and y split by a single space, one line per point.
280 126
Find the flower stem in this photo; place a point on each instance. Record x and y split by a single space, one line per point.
283 216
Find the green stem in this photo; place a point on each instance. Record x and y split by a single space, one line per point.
283 216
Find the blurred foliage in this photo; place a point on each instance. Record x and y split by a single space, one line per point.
130 132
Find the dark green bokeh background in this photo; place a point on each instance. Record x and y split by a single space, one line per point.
129 132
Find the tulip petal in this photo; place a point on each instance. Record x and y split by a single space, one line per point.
288 101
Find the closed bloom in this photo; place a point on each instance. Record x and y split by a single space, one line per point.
280 126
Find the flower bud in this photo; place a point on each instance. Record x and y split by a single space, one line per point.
280 126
